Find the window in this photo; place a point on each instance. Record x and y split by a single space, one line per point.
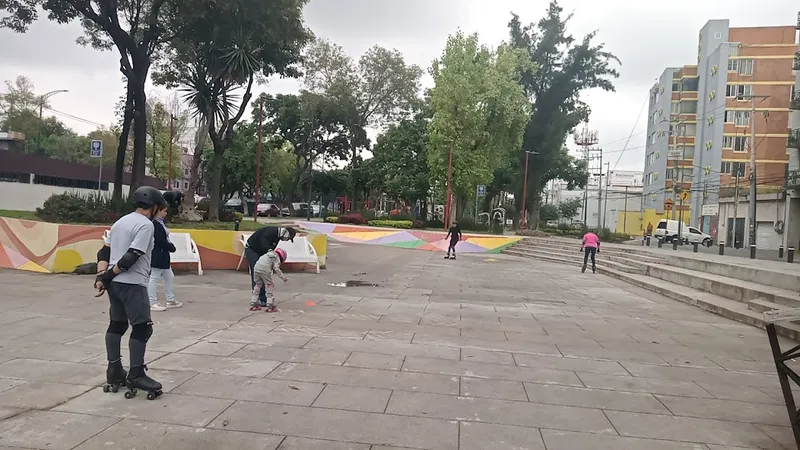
738 90
739 118
746 66
737 143
690 84
689 107
676 108
738 167
186 172
670 175
733 65
185 185
15 177
717 35
676 86
733 49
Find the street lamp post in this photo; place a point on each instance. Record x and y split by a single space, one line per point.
257 194
522 219
171 138
43 98
448 200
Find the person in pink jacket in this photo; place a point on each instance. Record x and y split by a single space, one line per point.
590 247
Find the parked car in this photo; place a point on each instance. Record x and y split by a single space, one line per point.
268 210
667 230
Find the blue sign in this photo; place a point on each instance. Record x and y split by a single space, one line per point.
481 190
96 150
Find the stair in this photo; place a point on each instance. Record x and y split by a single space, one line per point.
738 292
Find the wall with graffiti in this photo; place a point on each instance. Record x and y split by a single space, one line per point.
56 248
414 239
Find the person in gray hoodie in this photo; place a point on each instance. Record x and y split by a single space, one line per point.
263 269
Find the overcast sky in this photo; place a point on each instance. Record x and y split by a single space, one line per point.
647 37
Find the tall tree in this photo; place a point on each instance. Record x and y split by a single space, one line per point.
479 108
162 131
401 157
379 90
564 69
313 125
222 47
134 28
569 208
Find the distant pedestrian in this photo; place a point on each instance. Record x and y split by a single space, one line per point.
161 267
454 233
650 229
590 246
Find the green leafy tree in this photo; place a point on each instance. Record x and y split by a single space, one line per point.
562 70
380 89
479 108
221 49
569 208
313 125
401 157
548 212
134 29
162 131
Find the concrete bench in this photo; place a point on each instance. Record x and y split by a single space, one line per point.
298 252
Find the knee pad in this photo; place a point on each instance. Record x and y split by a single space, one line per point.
142 331
117 327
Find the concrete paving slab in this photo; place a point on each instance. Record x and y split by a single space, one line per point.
51 429
295 443
353 398
499 412
756 413
255 351
341 425
253 389
132 434
216 364
569 440
493 371
40 395
374 361
594 398
496 389
482 436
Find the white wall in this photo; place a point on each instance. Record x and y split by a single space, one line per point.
28 197
770 208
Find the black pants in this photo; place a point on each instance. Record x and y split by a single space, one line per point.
589 251
452 246
252 259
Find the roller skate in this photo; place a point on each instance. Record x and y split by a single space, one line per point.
137 379
448 256
583 269
594 269
115 377
453 257
271 308
255 307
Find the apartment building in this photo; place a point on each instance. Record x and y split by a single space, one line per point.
792 206
699 129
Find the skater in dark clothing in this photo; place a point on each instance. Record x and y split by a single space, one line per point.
454 233
262 241
131 244
590 247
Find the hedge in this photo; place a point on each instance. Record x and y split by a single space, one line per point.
391 223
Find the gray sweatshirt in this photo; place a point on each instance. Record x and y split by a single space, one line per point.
268 264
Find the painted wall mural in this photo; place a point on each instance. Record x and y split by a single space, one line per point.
413 239
56 248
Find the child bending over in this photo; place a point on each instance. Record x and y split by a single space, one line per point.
267 264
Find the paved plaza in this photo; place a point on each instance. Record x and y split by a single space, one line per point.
416 352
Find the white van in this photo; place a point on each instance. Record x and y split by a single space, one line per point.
668 231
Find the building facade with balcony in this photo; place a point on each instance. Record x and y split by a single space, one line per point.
703 136
792 207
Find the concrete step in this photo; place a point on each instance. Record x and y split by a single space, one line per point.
574 246
762 306
725 286
724 307
577 259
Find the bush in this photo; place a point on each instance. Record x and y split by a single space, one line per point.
468 223
401 216
418 224
72 207
353 219
406 224
332 219
435 223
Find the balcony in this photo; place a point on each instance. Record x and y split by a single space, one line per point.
794 102
796 65
794 139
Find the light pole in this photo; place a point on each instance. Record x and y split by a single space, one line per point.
257 195
753 191
172 120
449 189
43 98
522 220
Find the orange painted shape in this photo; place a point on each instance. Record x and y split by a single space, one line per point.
310 303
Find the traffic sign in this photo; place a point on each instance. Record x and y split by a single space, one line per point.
668 204
481 190
96 150
684 195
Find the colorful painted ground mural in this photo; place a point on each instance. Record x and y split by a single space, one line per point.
412 239
56 248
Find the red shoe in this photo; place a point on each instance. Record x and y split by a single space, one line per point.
255 307
271 309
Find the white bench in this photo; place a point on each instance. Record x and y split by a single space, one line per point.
299 251
185 250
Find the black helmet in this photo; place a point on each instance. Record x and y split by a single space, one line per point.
147 197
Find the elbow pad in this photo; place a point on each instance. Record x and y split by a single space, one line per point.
129 259
104 254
